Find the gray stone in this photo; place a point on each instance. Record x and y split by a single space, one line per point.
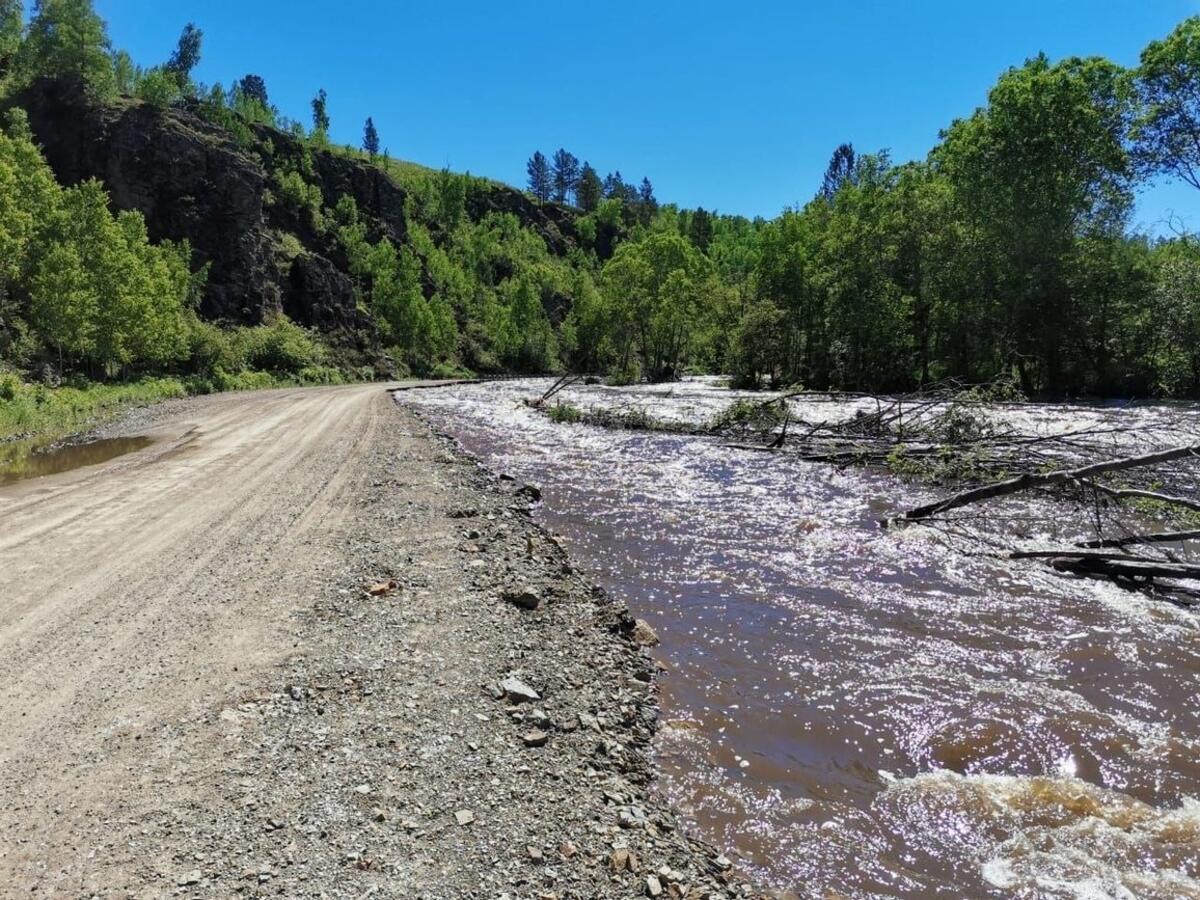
518 691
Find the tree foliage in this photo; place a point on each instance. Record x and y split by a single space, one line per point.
12 26
565 175
254 89
841 169
540 177
370 142
320 113
89 286
67 39
1167 127
186 55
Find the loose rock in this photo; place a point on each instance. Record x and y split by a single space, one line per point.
523 598
517 691
644 635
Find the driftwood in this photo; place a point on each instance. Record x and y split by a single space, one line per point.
1047 479
1118 568
1120 493
1102 557
1161 537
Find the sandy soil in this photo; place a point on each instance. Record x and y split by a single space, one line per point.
199 698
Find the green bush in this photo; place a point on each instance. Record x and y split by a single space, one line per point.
447 370
282 348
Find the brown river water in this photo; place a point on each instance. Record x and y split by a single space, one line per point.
858 712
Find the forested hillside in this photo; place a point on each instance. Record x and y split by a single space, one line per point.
150 224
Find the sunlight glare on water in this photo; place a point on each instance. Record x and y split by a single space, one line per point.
861 712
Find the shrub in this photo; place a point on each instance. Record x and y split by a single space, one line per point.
282 347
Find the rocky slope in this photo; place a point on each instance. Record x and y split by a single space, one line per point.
193 180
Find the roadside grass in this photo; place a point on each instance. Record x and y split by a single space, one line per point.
35 411
41 415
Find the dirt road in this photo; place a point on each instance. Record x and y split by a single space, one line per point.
198 698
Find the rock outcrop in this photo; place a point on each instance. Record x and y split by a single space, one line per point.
186 177
194 181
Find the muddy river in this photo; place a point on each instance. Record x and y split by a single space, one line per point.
852 711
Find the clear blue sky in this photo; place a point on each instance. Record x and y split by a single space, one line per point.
730 106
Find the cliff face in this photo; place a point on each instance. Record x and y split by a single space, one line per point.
191 180
185 176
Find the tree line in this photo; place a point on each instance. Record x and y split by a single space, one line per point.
563 180
1006 253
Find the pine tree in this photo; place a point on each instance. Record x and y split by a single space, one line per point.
840 171
186 55
254 88
539 176
617 188
590 191
320 113
370 141
647 204
566 175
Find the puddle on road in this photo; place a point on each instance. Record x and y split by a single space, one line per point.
27 460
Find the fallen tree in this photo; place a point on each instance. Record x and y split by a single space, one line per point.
1084 474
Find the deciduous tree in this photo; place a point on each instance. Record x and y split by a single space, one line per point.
66 39
1167 127
186 55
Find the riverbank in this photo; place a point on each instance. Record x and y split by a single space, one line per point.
282 662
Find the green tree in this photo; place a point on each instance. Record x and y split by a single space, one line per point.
653 289
647 202
1174 319
66 39
540 180
590 191
565 175
527 341
840 171
253 88
12 24
452 198
1167 128
158 87
1042 164
370 141
126 73
700 230
320 114
186 55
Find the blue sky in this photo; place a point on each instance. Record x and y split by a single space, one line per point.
730 106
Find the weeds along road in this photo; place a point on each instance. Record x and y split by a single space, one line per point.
198 698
